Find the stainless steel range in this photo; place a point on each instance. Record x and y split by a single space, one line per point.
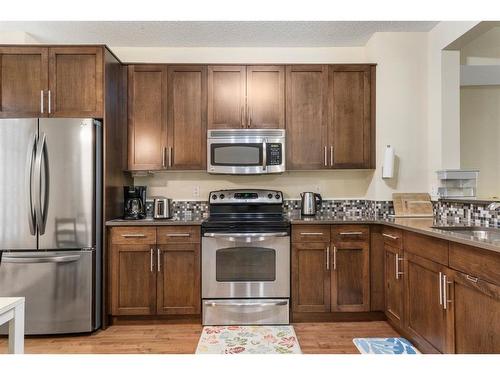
246 259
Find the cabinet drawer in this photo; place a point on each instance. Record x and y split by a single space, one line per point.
133 235
350 233
311 233
178 234
475 262
393 237
427 247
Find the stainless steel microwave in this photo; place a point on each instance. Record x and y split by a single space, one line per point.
246 151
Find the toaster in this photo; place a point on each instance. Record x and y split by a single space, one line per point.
162 208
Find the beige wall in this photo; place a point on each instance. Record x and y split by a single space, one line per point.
480 136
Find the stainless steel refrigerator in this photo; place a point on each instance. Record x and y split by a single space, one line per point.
50 221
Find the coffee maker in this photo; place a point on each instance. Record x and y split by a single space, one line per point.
134 205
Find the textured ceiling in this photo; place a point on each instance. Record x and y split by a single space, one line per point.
213 34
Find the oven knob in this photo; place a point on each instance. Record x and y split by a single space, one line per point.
277 196
221 196
269 195
214 196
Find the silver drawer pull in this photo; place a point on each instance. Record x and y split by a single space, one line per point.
132 235
351 233
390 236
249 304
472 278
311 234
41 259
178 234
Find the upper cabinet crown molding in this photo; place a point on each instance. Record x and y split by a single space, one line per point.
52 81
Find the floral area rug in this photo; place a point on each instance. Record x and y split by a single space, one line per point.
390 345
248 340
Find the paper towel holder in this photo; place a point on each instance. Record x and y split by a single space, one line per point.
388 166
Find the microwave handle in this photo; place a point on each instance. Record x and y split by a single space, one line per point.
264 155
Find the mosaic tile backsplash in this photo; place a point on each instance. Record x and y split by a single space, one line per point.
472 213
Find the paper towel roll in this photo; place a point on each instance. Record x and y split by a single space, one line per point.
388 167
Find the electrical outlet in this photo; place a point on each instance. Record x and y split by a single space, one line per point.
317 189
196 191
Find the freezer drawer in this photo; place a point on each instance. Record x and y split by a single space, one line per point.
57 286
245 311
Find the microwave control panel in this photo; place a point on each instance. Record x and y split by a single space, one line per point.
274 154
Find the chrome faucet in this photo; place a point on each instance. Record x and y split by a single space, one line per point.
494 206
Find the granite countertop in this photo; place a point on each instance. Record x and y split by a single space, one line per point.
419 225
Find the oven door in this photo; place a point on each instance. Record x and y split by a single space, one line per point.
246 265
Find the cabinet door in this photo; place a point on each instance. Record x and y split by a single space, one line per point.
147 117
226 97
306 116
426 314
350 283
23 81
394 284
186 119
476 307
76 82
310 277
266 96
350 132
178 270
133 280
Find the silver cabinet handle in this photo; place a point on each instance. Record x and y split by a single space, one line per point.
351 233
41 259
334 257
158 259
249 304
133 235
440 288
327 257
445 292
390 236
151 260
50 111
170 156
398 272
326 158
472 278
331 156
41 101
178 234
311 233
163 157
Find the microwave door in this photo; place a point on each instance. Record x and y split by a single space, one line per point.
237 157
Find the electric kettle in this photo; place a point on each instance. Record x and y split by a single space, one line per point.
310 203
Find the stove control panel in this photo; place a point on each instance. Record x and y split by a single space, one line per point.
240 196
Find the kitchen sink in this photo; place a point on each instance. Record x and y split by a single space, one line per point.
481 233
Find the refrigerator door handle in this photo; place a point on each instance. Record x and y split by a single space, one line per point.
41 156
29 185
41 259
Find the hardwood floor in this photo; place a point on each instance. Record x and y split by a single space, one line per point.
314 338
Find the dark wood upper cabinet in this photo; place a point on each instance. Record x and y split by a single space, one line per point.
476 312
350 265
428 317
187 117
310 277
76 82
23 81
266 97
226 97
147 117
179 279
306 116
394 285
351 130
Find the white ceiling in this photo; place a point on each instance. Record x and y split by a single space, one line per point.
212 34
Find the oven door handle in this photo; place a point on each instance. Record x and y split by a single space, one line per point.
247 304
245 236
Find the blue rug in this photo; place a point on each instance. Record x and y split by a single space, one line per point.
387 345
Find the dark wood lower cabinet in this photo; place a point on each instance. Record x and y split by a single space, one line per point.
476 311
350 281
428 316
133 280
310 277
394 285
178 279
